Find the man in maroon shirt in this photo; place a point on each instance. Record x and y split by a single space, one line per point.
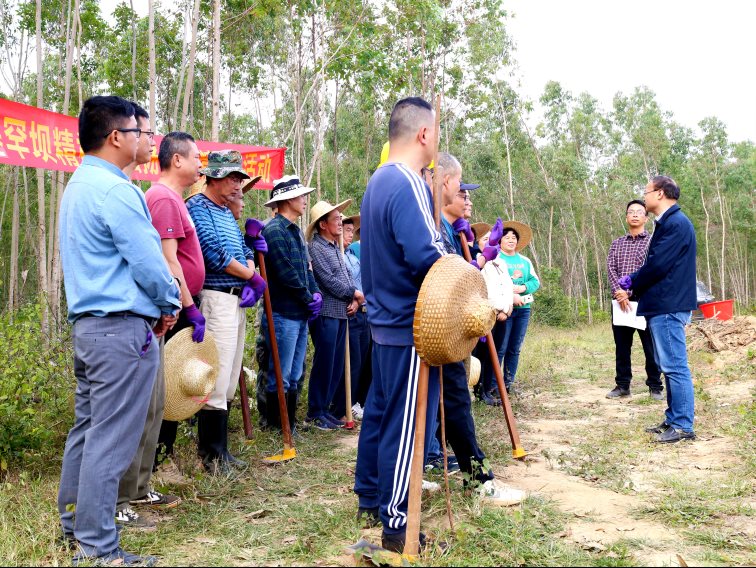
180 164
626 255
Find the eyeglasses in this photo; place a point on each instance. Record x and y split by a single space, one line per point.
652 191
637 213
462 195
138 131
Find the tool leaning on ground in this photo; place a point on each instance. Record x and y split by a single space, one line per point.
289 452
518 452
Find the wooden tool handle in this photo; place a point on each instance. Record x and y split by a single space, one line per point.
285 426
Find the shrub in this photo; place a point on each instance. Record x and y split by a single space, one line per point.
35 391
552 306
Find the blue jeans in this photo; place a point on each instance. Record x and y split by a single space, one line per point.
517 325
115 372
291 337
668 333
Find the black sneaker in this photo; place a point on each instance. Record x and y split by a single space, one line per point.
672 435
157 500
368 517
395 542
67 541
127 517
618 392
437 465
657 429
656 394
118 557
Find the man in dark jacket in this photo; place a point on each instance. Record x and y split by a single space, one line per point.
666 286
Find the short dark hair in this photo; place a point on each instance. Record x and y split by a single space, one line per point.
99 117
407 117
347 221
635 202
173 143
668 185
508 230
140 111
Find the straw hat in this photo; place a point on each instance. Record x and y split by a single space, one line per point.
320 210
452 311
250 184
191 370
474 372
355 219
525 232
480 229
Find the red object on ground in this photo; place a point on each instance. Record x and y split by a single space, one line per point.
720 310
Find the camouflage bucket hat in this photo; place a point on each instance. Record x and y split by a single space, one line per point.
223 162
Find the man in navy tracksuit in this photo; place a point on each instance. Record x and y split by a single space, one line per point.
666 286
399 245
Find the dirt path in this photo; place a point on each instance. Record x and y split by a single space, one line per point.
600 516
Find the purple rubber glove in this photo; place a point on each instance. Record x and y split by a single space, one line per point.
625 282
462 226
256 243
258 285
484 339
490 252
196 318
315 306
248 296
253 227
497 231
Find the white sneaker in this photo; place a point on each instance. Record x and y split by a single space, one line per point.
431 486
357 411
496 493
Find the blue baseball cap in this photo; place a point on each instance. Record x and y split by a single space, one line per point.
468 186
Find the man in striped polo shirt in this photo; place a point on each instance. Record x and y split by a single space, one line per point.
231 284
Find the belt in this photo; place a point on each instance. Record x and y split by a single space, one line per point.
127 314
233 290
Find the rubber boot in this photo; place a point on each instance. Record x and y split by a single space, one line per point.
291 407
227 457
271 407
210 439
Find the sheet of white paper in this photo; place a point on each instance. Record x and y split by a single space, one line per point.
627 319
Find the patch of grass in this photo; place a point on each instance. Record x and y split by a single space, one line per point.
692 504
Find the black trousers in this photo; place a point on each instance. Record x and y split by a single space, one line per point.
623 343
460 428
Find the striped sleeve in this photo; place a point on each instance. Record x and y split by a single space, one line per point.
215 255
415 230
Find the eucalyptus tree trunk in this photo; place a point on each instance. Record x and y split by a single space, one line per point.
214 125
722 263
133 51
152 67
189 88
13 278
56 271
41 225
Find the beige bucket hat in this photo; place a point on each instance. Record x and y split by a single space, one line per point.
525 232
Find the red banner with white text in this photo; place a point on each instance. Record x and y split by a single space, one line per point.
38 138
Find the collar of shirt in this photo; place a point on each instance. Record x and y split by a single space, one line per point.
318 237
90 160
642 235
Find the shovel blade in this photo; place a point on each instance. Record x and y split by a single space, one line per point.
287 455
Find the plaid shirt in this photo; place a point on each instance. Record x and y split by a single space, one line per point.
290 279
626 255
333 276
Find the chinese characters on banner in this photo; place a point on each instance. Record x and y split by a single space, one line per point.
38 138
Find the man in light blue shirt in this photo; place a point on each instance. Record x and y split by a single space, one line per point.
118 289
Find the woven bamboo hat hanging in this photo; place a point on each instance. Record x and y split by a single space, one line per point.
452 312
191 370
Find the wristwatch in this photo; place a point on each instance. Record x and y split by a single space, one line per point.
178 281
